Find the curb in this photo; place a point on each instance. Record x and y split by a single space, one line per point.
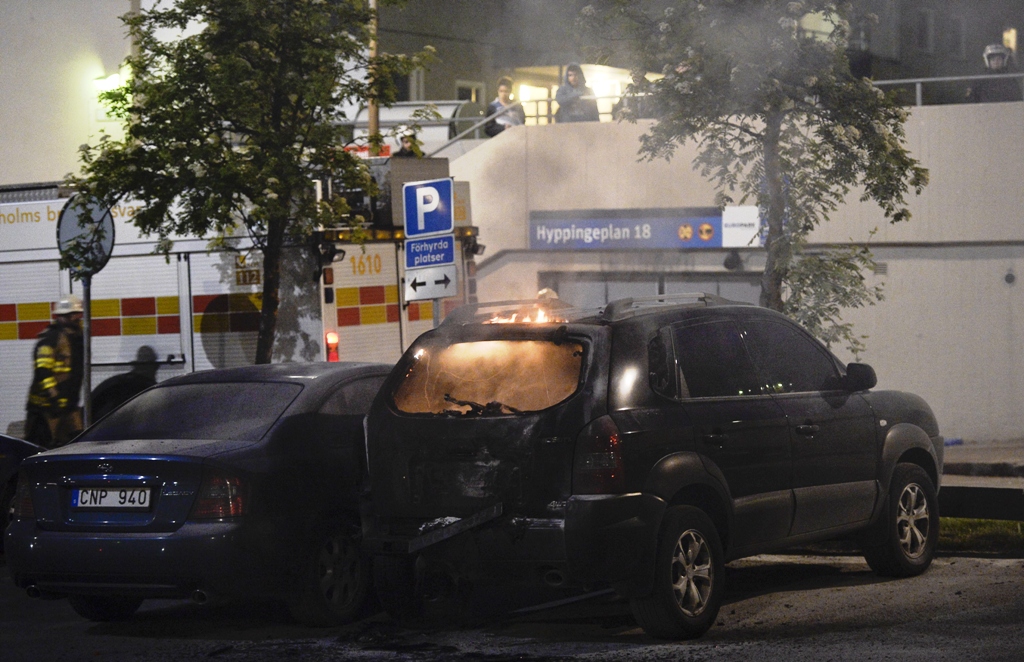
987 469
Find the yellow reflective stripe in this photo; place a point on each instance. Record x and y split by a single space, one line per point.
62 402
44 363
61 367
38 400
44 350
48 383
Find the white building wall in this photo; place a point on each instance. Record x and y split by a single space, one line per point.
51 55
950 328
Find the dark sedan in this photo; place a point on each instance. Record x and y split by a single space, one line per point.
227 483
12 452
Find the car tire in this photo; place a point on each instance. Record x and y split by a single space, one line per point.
909 527
104 608
334 580
689 577
394 579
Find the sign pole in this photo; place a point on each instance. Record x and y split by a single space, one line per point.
87 350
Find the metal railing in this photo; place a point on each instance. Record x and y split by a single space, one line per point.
919 83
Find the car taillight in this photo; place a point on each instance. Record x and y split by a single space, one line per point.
23 507
597 463
220 496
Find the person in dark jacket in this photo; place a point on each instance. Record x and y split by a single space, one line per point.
575 99
114 391
513 114
992 90
53 417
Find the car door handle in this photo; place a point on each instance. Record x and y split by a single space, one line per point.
808 430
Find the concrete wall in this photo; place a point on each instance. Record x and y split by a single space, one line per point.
51 54
951 326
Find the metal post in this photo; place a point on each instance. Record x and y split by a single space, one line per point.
437 303
919 92
372 110
87 350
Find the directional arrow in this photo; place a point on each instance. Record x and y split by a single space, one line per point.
431 283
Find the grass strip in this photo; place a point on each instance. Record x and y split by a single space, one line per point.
984 536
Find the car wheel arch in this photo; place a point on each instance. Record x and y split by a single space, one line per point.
905 442
687 479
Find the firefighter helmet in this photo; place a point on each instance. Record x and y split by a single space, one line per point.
68 305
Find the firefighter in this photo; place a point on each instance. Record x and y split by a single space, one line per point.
53 417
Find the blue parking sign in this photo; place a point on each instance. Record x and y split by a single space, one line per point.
428 207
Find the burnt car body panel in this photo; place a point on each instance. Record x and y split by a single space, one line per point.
304 471
773 462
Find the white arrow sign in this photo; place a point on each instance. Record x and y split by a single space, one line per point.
431 283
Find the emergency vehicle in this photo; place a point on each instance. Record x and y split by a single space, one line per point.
198 308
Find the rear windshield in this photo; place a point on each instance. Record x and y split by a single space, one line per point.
237 411
490 377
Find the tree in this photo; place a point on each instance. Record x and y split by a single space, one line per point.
779 121
226 125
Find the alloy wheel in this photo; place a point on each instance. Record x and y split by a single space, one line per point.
692 572
912 521
338 569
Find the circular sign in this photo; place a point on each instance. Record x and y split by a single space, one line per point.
85 236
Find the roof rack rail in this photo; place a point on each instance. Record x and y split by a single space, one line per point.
622 308
469 313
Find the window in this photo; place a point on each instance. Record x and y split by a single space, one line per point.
713 361
789 361
353 398
466 90
489 377
924 30
242 411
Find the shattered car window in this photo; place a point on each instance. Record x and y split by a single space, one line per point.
490 378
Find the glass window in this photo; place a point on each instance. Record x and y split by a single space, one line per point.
661 364
789 361
713 361
490 377
239 411
353 398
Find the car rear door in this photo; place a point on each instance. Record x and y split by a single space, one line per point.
832 431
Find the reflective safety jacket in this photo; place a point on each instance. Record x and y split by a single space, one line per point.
58 370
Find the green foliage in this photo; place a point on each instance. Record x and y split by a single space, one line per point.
779 122
226 125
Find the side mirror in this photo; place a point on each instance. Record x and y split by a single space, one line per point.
859 377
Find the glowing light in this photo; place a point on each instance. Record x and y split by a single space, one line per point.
111 82
628 381
539 317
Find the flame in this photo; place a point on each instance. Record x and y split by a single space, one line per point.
540 317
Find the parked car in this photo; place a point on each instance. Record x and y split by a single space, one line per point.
639 446
240 482
12 452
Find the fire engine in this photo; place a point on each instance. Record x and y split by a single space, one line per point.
198 308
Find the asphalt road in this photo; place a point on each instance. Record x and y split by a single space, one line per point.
781 607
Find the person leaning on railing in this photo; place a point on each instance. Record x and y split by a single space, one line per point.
575 100
512 114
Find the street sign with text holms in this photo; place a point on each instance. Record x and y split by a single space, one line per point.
428 208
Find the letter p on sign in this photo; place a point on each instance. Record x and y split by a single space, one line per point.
428 207
427 200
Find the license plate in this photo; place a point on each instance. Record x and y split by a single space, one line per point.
111 498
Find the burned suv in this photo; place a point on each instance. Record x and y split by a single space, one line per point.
640 446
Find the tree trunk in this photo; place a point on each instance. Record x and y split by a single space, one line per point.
271 291
777 245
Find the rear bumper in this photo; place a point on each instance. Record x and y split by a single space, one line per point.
214 557
600 540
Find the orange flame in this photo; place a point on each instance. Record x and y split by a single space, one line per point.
540 317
